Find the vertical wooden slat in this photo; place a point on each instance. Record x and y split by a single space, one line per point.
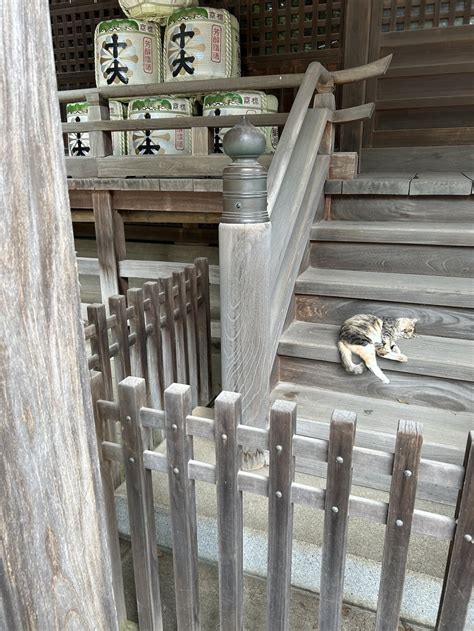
138 354
191 333
280 514
154 346
376 13
122 366
100 141
339 480
229 511
168 332
108 488
400 515
132 397
459 575
100 346
104 234
204 333
182 507
200 141
180 328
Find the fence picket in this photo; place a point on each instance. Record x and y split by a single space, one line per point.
138 353
190 321
118 307
229 510
399 521
182 507
180 328
338 488
459 575
204 332
168 333
280 514
132 397
154 346
100 347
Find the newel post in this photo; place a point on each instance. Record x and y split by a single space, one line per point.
244 256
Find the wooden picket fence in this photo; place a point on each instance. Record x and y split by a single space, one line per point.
292 448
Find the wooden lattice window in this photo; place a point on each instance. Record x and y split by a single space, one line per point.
73 23
403 15
280 27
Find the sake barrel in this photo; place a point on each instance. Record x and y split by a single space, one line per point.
160 141
201 43
154 10
240 103
79 144
127 52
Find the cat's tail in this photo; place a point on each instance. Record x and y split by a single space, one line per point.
346 358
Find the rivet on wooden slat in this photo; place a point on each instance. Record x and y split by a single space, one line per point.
339 460
468 538
334 509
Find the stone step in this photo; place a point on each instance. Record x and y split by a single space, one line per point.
408 288
415 232
428 355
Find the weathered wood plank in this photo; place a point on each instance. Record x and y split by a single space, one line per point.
182 507
459 576
412 159
168 332
373 184
399 522
343 166
336 518
108 257
280 514
154 346
122 364
204 333
441 183
138 354
182 358
100 346
132 397
229 511
190 322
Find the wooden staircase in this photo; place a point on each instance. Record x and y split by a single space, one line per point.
383 255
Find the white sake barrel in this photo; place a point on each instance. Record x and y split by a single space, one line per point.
127 52
240 103
154 10
79 144
201 43
160 141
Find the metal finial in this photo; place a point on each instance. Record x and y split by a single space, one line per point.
244 141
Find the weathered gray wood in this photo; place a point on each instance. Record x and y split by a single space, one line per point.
432 183
81 167
122 364
378 184
168 332
421 233
450 158
190 322
100 141
154 346
204 333
154 269
432 320
414 288
107 472
424 259
459 577
280 514
229 511
132 396
343 166
428 355
384 207
399 523
182 507
138 355
336 518
108 257
182 358
100 346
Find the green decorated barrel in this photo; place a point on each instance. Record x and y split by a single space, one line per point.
154 10
160 141
239 103
127 52
79 144
201 43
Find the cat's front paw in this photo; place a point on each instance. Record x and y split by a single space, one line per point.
386 380
402 358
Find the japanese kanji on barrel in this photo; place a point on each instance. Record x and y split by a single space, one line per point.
239 103
154 10
160 141
201 43
79 144
127 52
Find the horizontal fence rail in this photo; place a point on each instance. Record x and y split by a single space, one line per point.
288 449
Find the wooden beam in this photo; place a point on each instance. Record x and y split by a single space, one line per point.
57 570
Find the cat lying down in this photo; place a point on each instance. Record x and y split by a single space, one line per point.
367 336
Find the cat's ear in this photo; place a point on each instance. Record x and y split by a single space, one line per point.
415 320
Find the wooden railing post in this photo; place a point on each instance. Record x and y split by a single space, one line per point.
244 256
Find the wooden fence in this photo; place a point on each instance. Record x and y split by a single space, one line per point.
292 449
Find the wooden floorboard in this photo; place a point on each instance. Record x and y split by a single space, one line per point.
418 289
428 355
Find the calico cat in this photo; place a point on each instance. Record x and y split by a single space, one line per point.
366 335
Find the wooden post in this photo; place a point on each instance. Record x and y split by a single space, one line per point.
356 51
56 570
244 256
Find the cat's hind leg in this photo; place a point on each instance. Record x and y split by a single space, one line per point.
346 350
393 353
367 354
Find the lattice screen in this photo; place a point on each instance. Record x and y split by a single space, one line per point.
73 23
402 15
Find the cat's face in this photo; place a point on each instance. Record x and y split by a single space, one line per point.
406 326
